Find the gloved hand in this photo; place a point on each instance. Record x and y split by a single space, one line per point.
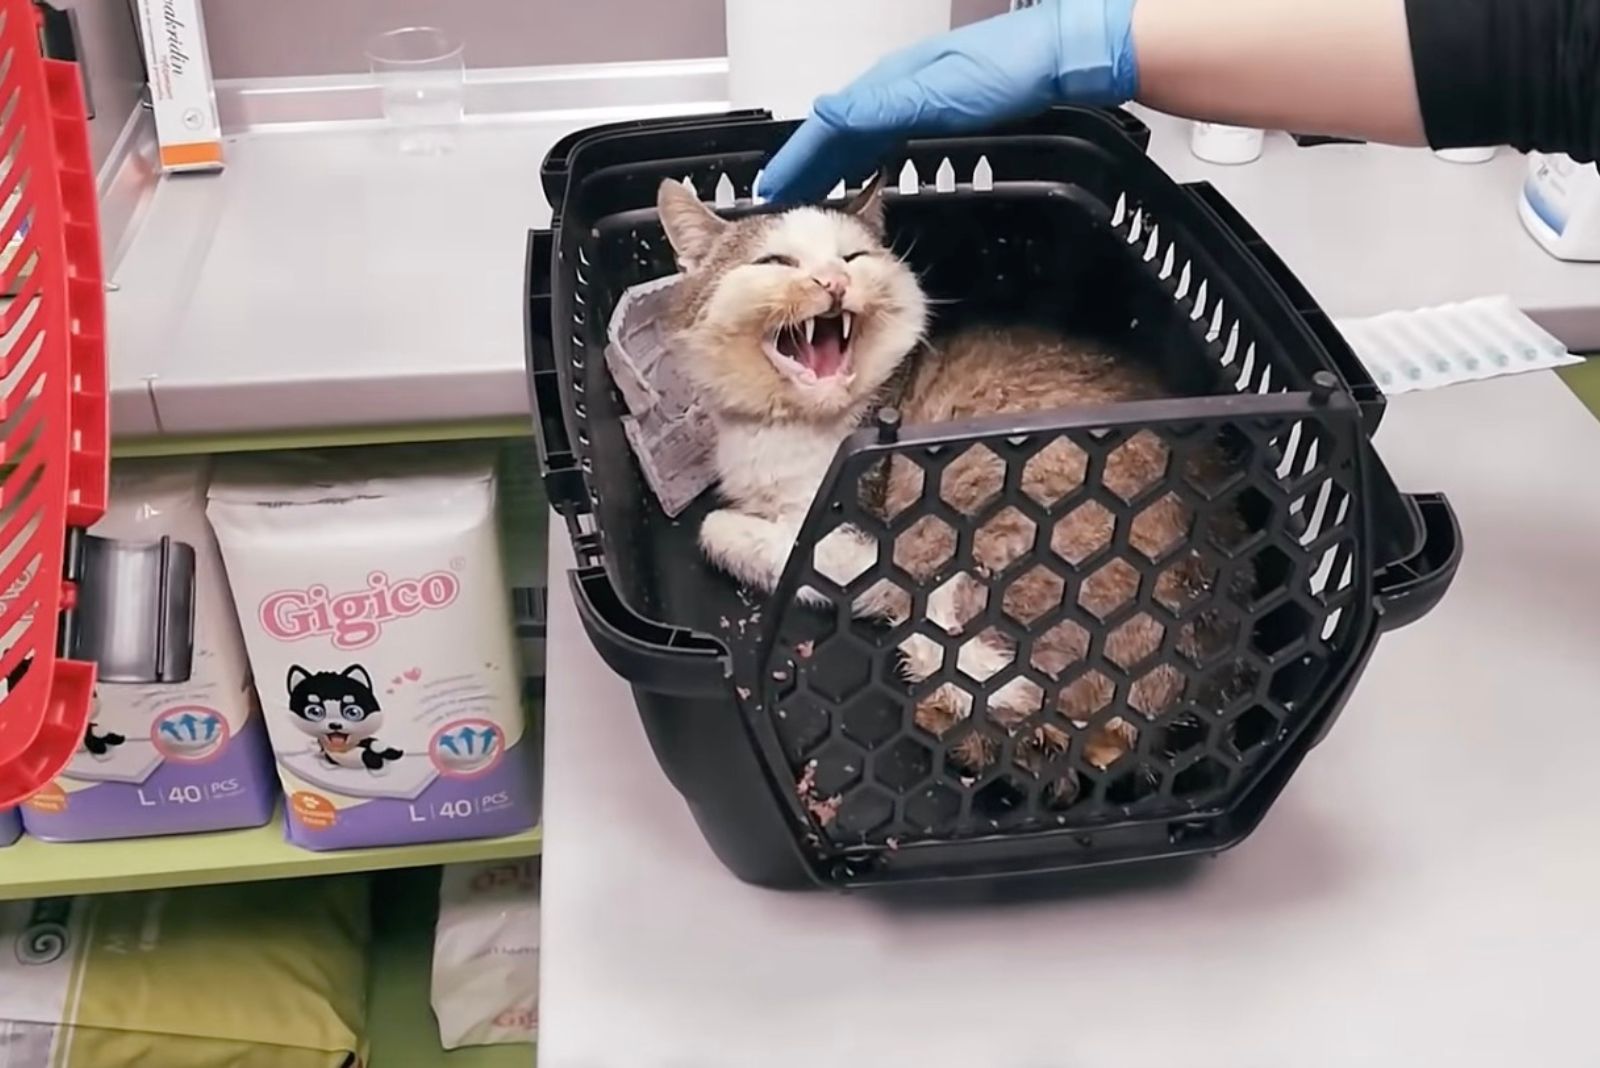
1006 67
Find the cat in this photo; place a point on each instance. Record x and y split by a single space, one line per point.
794 326
341 713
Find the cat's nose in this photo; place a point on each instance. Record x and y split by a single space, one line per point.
833 283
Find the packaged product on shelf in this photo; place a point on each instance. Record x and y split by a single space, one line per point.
376 612
10 826
486 954
525 535
247 976
167 758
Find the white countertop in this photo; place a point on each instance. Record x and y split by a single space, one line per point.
1423 892
1373 228
325 280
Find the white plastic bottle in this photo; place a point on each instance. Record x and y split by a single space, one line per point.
1467 155
1560 206
1217 143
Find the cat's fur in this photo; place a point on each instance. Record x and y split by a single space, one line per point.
778 432
341 713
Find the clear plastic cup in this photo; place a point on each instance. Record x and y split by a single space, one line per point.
421 80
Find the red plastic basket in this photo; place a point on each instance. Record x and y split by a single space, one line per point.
53 414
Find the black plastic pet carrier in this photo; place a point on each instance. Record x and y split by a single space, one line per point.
791 731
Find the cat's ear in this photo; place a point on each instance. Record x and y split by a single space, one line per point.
691 226
867 206
357 673
297 675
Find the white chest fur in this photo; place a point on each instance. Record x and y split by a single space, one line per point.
774 471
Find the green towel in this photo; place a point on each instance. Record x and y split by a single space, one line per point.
250 976
1584 380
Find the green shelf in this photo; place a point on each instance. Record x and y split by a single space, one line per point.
319 438
400 1019
40 869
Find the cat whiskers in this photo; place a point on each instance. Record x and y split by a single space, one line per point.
921 276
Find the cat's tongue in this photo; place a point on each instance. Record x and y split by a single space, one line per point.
823 353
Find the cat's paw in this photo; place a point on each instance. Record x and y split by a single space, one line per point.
751 549
812 597
727 541
885 602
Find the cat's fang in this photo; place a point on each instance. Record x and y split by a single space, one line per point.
811 330
844 325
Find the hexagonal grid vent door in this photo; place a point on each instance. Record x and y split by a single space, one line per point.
1062 624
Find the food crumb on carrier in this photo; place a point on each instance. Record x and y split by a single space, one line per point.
823 810
804 650
723 623
743 692
893 844
781 676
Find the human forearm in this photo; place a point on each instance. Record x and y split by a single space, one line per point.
1450 73
1315 66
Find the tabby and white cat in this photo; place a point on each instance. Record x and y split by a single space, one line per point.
793 326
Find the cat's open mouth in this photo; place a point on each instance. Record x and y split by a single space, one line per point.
814 349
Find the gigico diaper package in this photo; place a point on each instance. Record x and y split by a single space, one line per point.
167 758
486 954
370 587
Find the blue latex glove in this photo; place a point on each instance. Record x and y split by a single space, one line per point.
1006 67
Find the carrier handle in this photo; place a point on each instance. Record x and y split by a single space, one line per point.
1351 370
1132 126
557 166
1409 589
1075 120
651 656
558 464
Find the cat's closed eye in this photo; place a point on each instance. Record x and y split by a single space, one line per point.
775 260
848 256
